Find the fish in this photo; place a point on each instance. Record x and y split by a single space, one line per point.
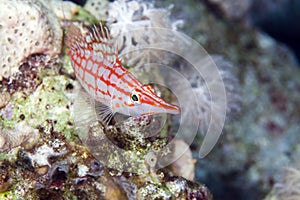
98 68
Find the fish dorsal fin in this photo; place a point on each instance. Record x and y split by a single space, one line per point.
148 88
73 33
99 39
74 37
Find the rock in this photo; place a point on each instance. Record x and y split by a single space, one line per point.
43 153
28 28
97 8
185 164
62 9
22 135
232 9
177 188
4 99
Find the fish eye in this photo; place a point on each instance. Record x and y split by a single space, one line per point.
134 97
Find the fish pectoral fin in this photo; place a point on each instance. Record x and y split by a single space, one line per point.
104 113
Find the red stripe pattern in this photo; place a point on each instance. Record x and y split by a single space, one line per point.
100 72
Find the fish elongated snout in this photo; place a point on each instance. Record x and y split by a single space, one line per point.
166 108
175 111
171 109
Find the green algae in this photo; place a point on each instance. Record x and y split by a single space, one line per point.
154 191
8 195
174 188
84 15
9 156
51 102
124 149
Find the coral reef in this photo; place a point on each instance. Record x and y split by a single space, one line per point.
49 104
129 22
28 29
62 9
178 188
185 165
43 156
124 149
4 99
61 169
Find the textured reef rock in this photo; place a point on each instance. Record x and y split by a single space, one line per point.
97 8
60 169
49 103
185 165
21 135
134 167
27 28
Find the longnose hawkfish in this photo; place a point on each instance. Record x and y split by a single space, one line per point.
100 72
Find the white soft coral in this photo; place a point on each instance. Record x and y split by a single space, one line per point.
129 23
